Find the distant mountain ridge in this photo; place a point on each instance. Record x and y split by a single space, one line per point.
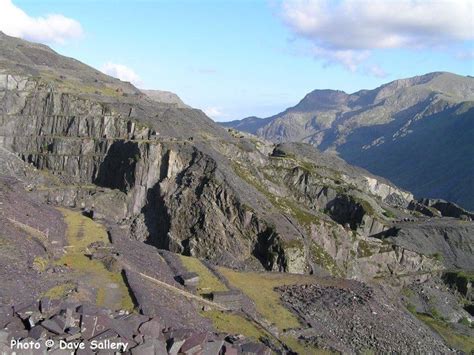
388 130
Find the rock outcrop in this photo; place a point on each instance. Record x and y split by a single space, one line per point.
415 131
179 182
165 181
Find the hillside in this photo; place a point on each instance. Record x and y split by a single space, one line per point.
109 200
166 97
416 132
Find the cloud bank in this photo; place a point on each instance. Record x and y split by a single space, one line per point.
121 72
53 28
346 31
215 113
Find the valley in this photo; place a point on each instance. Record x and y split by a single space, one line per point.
127 218
416 132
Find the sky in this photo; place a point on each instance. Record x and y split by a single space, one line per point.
240 58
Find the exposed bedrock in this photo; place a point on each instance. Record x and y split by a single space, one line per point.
228 202
449 240
173 195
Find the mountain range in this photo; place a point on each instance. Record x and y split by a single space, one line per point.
417 132
129 216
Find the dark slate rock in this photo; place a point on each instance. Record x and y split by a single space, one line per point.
38 332
160 347
126 330
49 306
175 346
60 321
189 279
194 343
24 312
3 337
107 334
147 348
73 330
150 347
152 329
87 349
229 350
254 348
213 347
34 319
53 326
134 320
6 315
94 325
15 325
179 334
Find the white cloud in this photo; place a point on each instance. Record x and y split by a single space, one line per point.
121 72
346 31
377 71
349 58
465 55
53 28
214 113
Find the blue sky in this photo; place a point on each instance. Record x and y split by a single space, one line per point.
239 58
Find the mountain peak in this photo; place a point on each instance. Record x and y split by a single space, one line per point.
325 99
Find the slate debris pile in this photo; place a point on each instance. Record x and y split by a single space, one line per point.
356 318
89 324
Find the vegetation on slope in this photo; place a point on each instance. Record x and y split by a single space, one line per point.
207 281
259 287
453 339
81 232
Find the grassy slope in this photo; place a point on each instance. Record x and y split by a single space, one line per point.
260 288
454 340
82 231
222 321
207 281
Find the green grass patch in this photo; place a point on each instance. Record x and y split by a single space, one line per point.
411 308
234 324
453 339
364 249
40 264
437 256
208 282
389 214
82 231
322 258
260 288
459 280
301 348
464 321
74 86
60 291
367 207
407 292
283 204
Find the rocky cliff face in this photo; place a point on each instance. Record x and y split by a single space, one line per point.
415 132
177 181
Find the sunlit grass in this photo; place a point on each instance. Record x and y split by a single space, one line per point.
81 232
208 282
302 348
259 287
453 339
59 291
234 324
